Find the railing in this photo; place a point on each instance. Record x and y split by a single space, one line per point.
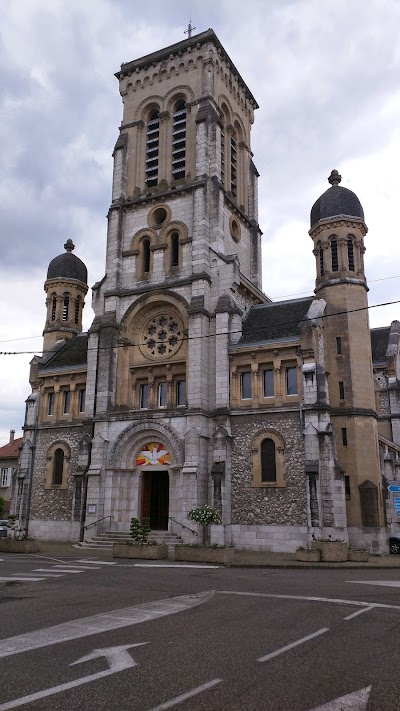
98 520
171 518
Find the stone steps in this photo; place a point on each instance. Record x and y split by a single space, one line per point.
106 540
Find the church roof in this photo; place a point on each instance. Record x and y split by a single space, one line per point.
67 265
335 202
73 353
379 343
271 322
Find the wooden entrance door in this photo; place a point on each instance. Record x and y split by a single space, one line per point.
155 499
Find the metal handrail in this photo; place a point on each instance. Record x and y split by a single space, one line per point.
171 518
98 520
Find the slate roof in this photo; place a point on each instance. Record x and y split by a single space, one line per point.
379 343
67 266
73 353
270 322
334 202
10 450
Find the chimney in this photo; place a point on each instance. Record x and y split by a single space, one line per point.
12 433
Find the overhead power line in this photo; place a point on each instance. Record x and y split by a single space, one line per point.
212 335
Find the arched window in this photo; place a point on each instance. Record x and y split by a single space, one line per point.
146 255
234 164
268 461
334 255
350 254
53 307
65 307
152 148
77 307
321 259
58 467
179 140
174 249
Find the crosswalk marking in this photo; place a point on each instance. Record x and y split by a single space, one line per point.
48 575
96 562
76 567
20 578
67 570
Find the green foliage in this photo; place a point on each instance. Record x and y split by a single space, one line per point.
205 515
140 530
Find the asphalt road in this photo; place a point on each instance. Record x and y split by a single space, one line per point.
153 638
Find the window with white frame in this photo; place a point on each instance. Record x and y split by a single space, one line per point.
5 477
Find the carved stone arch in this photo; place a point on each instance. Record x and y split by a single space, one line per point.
236 119
175 226
141 309
223 99
176 93
140 235
256 456
134 437
50 461
140 112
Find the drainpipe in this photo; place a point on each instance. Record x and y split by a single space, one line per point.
84 493
30 481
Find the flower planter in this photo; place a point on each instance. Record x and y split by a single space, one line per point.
359 556
307 556
145 552
331 551
204 554
8 545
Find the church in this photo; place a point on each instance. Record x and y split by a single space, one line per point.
191 386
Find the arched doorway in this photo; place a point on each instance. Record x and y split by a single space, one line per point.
154 460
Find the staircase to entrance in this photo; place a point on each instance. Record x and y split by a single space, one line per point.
106 540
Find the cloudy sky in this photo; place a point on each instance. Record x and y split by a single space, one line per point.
326 76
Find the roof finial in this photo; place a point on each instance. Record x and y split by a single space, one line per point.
69 245
334 178
189 30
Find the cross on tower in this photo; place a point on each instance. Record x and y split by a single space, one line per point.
189 30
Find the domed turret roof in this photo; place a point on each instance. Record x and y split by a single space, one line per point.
336 201
67 266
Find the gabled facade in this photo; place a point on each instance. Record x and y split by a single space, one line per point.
9 454
197 388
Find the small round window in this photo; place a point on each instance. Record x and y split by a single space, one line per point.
158 216
235 229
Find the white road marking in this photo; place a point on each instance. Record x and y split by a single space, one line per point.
96 562
76 567
32 575
388 583
336 601
171 565
61 569
21 578
183 697
113 620
357 701
118 659
292 645
359 612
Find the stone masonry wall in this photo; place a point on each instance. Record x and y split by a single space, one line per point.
268 505
54 504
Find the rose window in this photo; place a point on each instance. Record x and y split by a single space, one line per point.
162 336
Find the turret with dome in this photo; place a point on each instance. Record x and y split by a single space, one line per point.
66 287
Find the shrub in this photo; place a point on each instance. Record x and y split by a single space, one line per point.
140 530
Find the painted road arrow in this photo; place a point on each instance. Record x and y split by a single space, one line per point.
357 701
118 659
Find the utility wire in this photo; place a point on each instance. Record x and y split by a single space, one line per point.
211 335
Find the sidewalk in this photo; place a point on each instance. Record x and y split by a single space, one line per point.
242 558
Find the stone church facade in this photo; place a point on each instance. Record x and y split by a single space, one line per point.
192 387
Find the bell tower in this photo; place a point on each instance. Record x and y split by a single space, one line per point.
65 287
338 229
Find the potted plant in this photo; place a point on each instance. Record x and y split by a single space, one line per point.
140 546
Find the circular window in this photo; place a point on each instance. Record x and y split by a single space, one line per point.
159 215
235 229
161 336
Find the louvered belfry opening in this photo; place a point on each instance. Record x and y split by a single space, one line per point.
179 141
152 148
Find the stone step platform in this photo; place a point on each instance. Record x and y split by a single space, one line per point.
106 540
